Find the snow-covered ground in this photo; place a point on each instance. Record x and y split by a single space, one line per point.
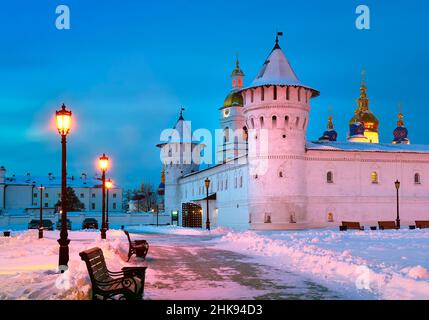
198 264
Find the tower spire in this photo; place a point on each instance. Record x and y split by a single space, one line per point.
181 113
279 34
400 115
363 101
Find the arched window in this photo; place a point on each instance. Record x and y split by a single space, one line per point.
245 134
226 136
251 96
287 93
274 121
252 122
374 177
330 217
274 92
280 174
330 177
304 124
299 94
262 94
261 119
286 121
417 178
297 122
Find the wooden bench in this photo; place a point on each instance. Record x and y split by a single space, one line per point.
137 247
386 225
350 225
127 284
422 224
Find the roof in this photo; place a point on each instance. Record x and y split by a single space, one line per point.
367 147
180 133
54 181
277 70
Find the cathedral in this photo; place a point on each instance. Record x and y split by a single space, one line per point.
267 175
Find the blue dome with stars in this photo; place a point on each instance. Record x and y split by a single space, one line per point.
400 134
330 134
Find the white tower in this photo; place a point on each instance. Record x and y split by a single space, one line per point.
180 156
233 143
276 109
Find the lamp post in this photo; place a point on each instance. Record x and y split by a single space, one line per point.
63 119
109 185
398 221
104 164
41 188
207 184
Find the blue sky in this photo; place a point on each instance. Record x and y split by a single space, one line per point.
125 67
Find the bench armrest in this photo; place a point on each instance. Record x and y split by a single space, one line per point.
134 271
140 242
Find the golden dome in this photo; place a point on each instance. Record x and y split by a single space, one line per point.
233 99
363 114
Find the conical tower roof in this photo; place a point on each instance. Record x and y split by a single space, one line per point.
277 70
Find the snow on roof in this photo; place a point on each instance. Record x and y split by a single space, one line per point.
277 70
367 147
53 181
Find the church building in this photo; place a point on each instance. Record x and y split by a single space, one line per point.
269 177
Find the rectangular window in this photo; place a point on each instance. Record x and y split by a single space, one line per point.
93 195
46 195
82 195
114 196
241 181
275 93
114 205
93 206
35 195
46 204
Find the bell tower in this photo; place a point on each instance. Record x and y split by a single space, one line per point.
233 142
180 155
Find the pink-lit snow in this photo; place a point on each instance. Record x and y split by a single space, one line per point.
226 264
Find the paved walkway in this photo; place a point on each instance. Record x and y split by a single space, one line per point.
193 269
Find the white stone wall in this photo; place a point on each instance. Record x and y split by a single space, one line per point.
353 196
277 193
229 181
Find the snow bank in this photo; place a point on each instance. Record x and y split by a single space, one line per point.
29 266
353 261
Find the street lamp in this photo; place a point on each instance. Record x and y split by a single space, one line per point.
63 120
207 184
398 222
109 185
104 165
41 188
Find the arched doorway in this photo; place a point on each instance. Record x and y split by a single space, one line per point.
192 215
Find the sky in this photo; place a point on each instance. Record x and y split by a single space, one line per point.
126 67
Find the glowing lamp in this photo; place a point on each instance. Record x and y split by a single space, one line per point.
104 162
63 117
109 184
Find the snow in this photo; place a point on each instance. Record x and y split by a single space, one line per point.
362 146
390 264
277 70
386 264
